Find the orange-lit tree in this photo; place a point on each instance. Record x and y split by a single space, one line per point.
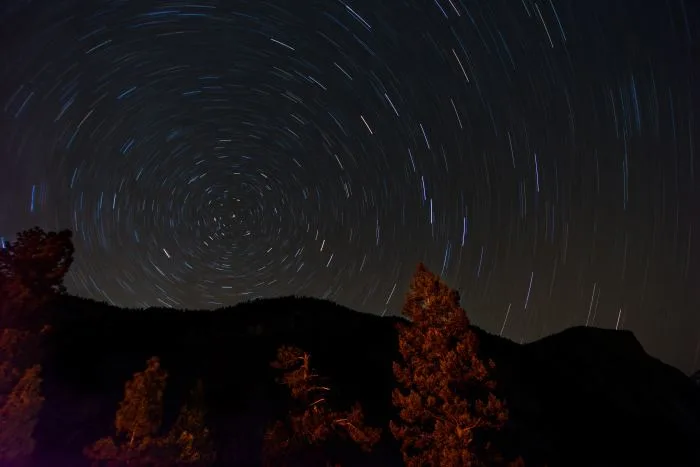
20 396
13 358
18 416
137 423
32 270
444 399
313 433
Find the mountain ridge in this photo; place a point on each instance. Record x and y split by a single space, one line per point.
575 397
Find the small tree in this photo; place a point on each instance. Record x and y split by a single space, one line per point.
189 439
313 432
445 397
18 416
137 422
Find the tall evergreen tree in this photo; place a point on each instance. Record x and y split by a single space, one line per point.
18 416
137 422
32 270
11 359
141 412
313 433
445 399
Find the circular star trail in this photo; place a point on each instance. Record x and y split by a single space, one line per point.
538 155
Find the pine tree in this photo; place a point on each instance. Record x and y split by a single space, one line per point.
11 359
445 399
141 412
137 422
313 433
189 439
18 416
32 270
20 399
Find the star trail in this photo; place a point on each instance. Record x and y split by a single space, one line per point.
539 155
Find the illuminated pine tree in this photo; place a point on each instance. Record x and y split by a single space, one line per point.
32 270
20 397
445 399
137 422
12 358
141 412
19 415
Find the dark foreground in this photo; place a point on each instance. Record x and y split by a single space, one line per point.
583 397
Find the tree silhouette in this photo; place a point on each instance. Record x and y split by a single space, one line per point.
445 399
18 416
137 422
189 439
32 269
313 433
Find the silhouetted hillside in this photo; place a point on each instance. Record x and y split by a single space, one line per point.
696 377
584 396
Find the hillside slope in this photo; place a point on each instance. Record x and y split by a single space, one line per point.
583 397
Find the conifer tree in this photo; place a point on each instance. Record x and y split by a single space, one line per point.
189 439
18 416
137 422
445 399
11 359
313 433
32 270
141 412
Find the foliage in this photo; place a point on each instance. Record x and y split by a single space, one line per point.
313 433
32 270
11 358
141 412
20 398
137 422
19 350
445 399
18 416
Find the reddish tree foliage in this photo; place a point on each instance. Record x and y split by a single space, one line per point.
31 273
18 416
137 423
445 399
313 433
20 397
32 269
12 358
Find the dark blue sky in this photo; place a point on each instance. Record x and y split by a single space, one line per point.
540 155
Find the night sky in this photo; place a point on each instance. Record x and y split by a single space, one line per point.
539 155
